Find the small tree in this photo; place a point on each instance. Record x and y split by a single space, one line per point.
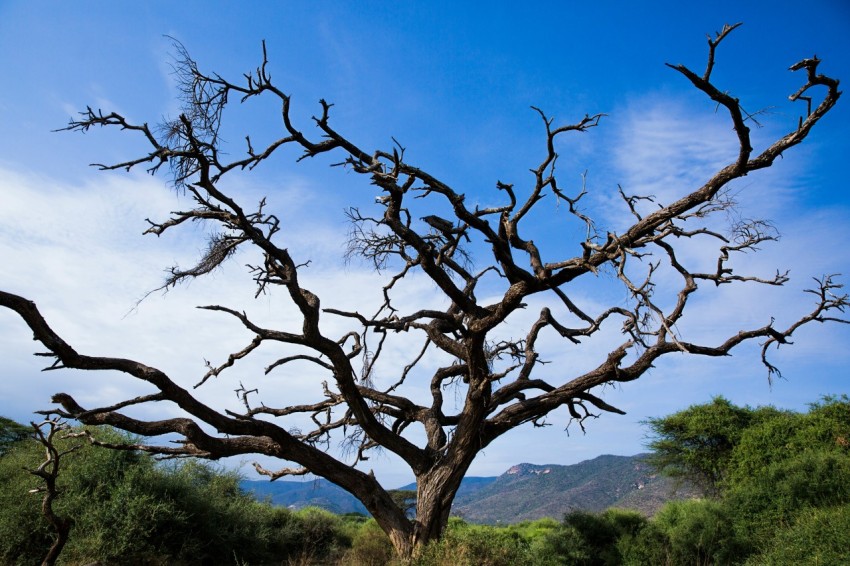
495 375
45 433
696 444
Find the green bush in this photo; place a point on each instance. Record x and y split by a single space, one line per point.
24 534
825 428
588 539
370 547
783 497
128 508
320 535
697 443
476 545
564 545
819 536
12 432
700 532
775 496
650 545
778 472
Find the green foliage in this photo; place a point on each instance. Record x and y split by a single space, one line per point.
699 532
12 432
320 534
818 536
777 495
129 509
589 539
650 545
534 530
696 444
24 534
476 545
782 482
788 466
370 547
564 545
779 475
766 443
826 427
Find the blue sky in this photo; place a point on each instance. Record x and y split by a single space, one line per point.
454 83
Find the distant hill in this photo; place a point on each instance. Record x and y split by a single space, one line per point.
528 491
468 487
524 492
308 493
324 494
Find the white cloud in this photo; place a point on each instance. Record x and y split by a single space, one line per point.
78 252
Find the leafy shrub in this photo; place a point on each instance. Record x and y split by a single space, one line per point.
699 532
12 432
24 535
588 538
650 545
130 509
775 496
321 535
564 545
476 545
697 443
819 536
370 547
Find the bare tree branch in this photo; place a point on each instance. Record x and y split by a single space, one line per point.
48 471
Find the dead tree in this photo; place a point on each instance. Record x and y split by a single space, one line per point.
48 471
496 379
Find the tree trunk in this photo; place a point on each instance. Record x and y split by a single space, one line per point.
435 491
434 494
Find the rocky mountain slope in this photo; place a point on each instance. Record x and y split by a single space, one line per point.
524 492
528 491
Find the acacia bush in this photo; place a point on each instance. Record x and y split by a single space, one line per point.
699 532
477 545
370 546
11 432
587 539
782 473
128 508
818 536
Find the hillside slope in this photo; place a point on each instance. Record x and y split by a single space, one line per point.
309 493
524 492
528 491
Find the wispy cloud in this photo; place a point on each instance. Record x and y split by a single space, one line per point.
78 252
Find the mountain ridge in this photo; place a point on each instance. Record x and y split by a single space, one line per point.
531 491
523 492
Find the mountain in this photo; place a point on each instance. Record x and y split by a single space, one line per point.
528 491
324 494
468 486
300 494
524 492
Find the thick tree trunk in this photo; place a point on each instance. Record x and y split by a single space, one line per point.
435 492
